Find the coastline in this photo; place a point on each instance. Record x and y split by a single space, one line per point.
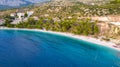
108 44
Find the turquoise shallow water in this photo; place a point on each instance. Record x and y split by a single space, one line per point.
37 49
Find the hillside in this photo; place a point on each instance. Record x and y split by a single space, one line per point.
97 2
5 4
66 8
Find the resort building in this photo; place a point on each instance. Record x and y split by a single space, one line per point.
29 13
19 16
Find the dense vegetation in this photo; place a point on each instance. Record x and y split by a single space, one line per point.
82 27
115 2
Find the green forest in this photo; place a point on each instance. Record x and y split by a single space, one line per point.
82 27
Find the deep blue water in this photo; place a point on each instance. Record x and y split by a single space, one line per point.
37 49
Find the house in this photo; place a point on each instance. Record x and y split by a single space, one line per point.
29 13
46 15
20 16
16 21
104 19
56 19
35 18
70 17
2 21
13 14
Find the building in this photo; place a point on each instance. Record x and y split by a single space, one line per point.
56 19
35 18
29 13
20 15
13 14
46 15
104 19
70 17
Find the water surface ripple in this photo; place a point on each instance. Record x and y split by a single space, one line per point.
37 49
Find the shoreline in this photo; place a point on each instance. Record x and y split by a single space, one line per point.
96 41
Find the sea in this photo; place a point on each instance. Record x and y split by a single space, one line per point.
24 48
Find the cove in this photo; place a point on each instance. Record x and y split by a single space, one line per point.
20 48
